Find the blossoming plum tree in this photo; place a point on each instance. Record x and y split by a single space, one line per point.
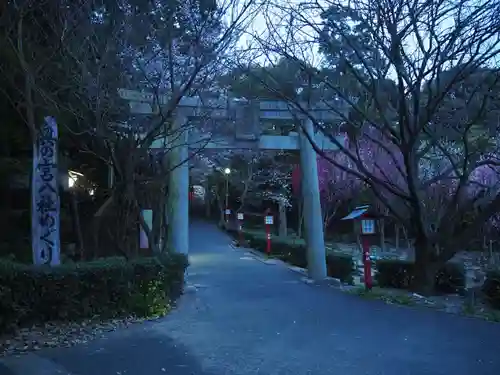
419 92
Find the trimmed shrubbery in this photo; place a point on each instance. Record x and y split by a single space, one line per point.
393 273
106 288
491 288
293 251
399 274
290 250
341 267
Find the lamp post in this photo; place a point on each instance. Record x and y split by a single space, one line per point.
227 172
361 215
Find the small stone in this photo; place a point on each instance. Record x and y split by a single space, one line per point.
190 289
307 280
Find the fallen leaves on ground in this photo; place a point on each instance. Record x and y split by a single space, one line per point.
51 335
453 303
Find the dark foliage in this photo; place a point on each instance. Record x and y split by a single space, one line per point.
491 288
399 274
105 288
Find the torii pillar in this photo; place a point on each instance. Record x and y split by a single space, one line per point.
178 189
315 240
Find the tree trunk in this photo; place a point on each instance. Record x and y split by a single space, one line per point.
381 225
328 216
396 231
357 234
77 225
301 219
425 268
208 200
218 199
208 212
407 238
283 223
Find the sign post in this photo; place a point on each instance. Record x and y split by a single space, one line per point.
367 229
227 212
45 196
240 226
367 222
268 221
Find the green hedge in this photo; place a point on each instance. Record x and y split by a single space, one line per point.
294 251
491 288
399 274
104 288
341 266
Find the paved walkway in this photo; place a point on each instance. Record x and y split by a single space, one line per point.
248 317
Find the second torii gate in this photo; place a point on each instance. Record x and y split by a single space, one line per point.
248 116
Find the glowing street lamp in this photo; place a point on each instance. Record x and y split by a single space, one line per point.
73 176
71 182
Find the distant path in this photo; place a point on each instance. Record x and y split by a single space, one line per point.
248 317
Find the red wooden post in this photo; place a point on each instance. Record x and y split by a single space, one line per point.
268 221
268 237
240 226
367 229
367 223
367 265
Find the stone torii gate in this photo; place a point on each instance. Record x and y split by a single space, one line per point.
247 116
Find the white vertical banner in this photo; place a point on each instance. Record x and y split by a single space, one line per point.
45 205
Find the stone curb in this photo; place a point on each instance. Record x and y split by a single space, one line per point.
330 281
255 255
